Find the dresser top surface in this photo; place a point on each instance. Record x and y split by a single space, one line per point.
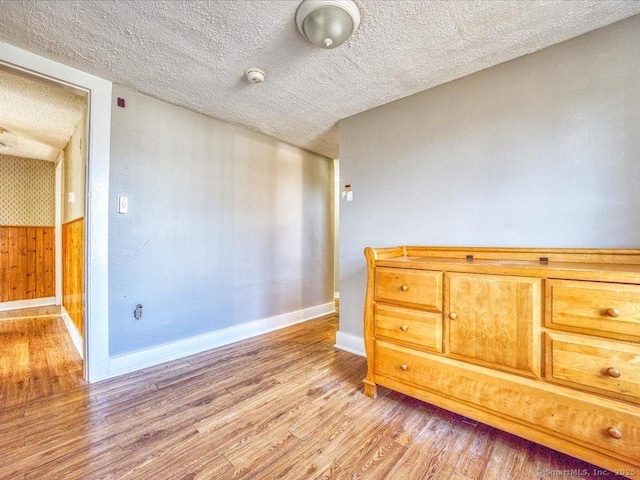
601 265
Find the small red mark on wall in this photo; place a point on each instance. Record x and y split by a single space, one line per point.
121 102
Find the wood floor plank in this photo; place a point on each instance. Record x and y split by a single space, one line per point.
302 461
286 405
259 450
505 461
37 358
52 310
423 457
330 472
14 362
380 460
185 465
83 462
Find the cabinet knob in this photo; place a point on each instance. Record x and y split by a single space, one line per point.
613 372
404 367
404 328
614 433
404 287
612 312
453 315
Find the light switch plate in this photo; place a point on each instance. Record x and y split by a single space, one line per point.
123 204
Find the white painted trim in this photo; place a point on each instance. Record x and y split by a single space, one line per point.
58 228
97 212
31 303
171 351
350 343
336 295
76 338
97 233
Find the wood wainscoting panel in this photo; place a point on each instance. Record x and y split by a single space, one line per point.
73 271
27 263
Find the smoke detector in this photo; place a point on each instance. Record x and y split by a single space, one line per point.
255 75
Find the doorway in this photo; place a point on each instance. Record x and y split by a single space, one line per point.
97 360
43 158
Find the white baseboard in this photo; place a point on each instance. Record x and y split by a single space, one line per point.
350 343
189 346
34 302
76 338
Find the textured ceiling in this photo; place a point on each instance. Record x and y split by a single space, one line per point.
194 53
37 118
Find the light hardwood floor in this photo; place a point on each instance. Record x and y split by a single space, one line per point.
37 358
286 405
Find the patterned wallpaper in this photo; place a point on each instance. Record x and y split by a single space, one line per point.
75 160
27 191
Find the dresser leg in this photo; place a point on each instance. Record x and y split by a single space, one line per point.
370 389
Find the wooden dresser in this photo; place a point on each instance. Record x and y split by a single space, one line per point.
541 343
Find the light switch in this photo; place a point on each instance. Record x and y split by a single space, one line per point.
123 204
347 193
71 197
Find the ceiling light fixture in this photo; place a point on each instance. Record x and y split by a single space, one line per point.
327 23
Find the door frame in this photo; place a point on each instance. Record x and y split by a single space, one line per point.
96 341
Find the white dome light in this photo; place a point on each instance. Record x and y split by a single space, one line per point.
327 23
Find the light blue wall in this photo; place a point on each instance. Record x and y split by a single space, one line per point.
543 150
226 226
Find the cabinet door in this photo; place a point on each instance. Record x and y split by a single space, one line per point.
494 321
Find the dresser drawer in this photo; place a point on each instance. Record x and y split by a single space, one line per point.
601 366
577 417
421 288
423 329
605 309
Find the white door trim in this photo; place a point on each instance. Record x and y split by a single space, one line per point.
58 228
97 211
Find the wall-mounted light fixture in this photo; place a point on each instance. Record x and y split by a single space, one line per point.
327 23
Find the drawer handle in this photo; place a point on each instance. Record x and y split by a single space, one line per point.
404 328
453 315
612 312
404 367
404 287
613 372
614 433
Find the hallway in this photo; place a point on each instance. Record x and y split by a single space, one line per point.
37 358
